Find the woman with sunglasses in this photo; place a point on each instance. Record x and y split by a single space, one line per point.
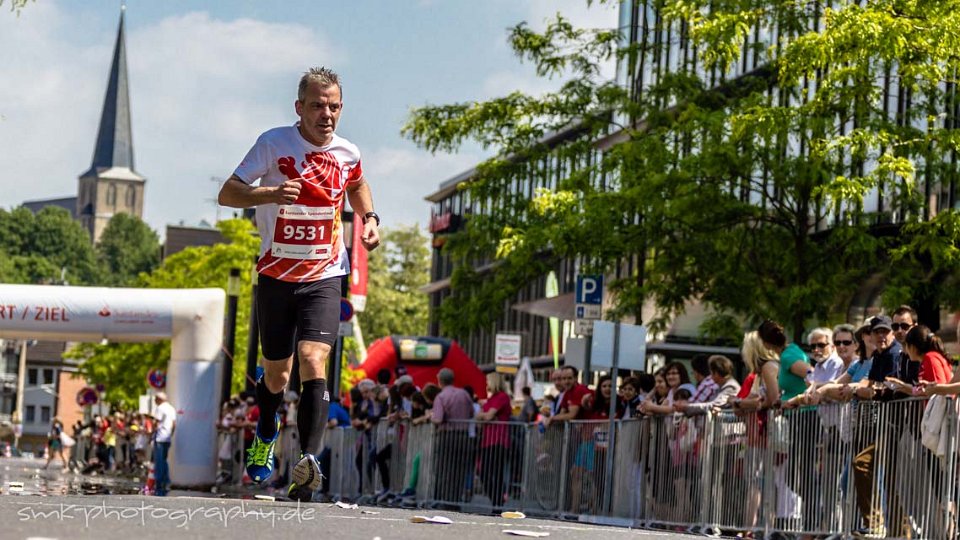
855 348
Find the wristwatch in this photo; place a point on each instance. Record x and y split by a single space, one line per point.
373 215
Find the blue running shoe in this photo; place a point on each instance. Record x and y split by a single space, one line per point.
305 479
260 456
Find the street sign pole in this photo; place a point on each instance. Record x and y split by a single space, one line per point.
612 424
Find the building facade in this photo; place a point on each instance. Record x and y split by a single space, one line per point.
662 48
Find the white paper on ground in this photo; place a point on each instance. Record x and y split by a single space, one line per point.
529 534
435 519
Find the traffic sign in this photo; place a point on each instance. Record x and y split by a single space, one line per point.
157 378
87 396
346 310
589 289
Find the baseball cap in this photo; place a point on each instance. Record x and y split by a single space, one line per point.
880 321
403 379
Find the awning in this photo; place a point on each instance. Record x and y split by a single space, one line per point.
435 286
561 307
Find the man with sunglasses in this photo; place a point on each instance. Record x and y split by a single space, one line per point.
827 365
905 318
886 364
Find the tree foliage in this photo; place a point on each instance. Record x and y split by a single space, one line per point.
46 247
123 367
397 271
744 192
127 247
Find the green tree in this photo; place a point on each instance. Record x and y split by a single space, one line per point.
397 271
49 247
123 367
127 247
746 194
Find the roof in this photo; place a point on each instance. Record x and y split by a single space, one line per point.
114 148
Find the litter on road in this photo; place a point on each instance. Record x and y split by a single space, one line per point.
513 515
440 520
530 534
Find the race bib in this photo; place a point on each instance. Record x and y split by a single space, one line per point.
303 232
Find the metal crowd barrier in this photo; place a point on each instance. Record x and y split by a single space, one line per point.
826 471
230 457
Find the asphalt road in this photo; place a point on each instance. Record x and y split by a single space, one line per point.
53 506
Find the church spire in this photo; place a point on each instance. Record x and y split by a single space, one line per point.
115 138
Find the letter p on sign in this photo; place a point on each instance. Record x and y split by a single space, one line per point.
589 289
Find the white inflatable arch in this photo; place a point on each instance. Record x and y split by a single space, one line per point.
192 318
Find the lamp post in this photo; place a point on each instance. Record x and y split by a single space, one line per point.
253 336
336 355
230 333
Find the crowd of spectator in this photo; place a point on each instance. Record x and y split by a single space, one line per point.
886 359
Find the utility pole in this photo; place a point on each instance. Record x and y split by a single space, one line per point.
230 333
253 336
214 200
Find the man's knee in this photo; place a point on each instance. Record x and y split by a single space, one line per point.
313 358
275 376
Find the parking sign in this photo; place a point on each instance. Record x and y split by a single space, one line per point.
589 289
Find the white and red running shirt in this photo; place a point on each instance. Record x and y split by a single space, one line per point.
302 241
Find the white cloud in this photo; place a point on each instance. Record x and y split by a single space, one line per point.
201 91
400 178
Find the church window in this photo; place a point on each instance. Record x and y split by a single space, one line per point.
112 194
131 197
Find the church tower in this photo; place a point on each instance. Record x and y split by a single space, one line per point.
111 185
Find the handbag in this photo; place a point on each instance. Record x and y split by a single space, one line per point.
67 440
934 414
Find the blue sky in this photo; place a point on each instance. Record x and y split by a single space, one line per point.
206 77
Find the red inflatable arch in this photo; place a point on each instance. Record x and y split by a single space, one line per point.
424 357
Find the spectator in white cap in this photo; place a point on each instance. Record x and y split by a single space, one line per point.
166 417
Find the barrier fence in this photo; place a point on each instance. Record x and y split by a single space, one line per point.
836 469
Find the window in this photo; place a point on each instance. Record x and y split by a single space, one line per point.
112 194
30 416
131 197
48 376
32 377
45 414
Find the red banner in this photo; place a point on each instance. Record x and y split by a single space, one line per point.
358 267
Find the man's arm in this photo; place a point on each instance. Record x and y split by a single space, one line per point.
436 414
726 392
236 193
361 200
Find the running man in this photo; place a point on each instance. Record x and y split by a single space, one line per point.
304 171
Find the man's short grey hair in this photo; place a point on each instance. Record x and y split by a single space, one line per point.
366 384
326 77
445 376
845 329
822 331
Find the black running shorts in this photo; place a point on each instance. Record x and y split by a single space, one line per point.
303 311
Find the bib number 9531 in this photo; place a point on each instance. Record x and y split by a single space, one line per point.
303 232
